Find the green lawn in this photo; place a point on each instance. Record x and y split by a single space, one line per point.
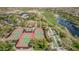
38 35
50 17
26 39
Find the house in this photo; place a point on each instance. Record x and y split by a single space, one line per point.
31 26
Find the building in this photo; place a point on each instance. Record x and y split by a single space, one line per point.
31 26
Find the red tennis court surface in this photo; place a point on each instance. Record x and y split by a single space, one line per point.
24 39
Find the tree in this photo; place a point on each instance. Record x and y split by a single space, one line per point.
5 29
39 44
6 46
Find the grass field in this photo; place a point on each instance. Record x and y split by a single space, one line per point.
50 17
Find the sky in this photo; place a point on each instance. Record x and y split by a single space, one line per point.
39 3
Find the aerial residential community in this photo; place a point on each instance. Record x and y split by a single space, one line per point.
39 29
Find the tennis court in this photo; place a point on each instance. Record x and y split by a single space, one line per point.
39 33
24 40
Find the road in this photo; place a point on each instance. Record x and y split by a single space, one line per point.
55 37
